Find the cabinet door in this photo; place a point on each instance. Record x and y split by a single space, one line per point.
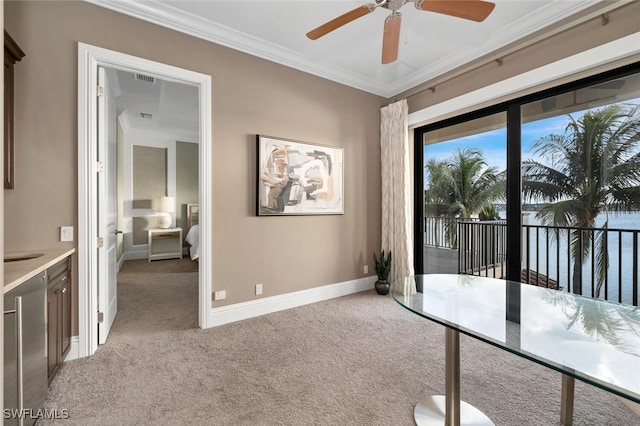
65 317
53 336
8 125
58 314
12 54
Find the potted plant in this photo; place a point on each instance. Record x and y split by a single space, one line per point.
383 267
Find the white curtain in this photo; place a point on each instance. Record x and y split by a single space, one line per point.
396 193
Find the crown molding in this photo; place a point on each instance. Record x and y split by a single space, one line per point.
187 23
517 30
175 19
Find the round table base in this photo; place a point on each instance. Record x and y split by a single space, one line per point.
431 412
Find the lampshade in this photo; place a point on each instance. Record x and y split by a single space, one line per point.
165 204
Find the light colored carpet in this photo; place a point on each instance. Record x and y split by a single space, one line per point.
355 360
169 266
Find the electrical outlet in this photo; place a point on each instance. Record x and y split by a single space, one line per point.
366 269
220 295
66 233
258 289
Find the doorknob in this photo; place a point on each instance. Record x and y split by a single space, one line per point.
117 231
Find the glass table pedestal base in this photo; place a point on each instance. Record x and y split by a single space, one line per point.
431 412
448 409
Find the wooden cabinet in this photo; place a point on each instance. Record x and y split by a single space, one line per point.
58 314
12 54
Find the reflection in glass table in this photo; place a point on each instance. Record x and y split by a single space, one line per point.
587 339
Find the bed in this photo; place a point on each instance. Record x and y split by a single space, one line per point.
193 235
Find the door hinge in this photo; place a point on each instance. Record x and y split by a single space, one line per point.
99 167
100 242
100 317
100 91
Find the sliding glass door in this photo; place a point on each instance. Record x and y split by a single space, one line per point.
581 187
463 179
543 189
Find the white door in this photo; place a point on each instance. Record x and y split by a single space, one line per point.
107 213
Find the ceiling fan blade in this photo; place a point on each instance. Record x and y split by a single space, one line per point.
391 38
474 10
341 20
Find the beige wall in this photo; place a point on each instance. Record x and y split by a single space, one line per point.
486 71
149 175
186 181
250 96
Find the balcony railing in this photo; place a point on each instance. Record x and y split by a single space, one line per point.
441 232
547 255
482 247
550 252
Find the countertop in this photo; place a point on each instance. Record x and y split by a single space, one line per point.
15 273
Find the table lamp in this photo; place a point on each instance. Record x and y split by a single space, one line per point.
165 206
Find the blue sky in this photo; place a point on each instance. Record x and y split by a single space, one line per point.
493 143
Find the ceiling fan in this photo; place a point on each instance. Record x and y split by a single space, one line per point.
474 10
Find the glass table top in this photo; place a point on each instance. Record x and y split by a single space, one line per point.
592 340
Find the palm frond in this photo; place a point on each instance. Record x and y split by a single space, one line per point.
464 184
562 213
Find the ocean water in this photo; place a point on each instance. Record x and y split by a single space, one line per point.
620 246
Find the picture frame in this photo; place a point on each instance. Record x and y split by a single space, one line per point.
298 178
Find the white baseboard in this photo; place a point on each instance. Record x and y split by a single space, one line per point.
74 350
121 262
136 254
267 305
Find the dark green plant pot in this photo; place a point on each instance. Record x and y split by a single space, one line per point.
382 287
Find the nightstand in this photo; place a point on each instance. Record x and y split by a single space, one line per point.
165 243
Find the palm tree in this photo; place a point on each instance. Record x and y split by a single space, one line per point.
592 168
613 323
460 187
489 212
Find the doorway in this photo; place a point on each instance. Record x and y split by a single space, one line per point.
90 254
151 171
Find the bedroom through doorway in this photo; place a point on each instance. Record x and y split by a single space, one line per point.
157 199
107 214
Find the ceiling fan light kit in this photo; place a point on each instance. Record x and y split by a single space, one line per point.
473 10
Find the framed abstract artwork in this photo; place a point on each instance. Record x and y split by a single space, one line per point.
298 178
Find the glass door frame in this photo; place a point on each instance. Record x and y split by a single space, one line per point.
512 108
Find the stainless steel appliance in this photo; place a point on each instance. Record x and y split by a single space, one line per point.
25 351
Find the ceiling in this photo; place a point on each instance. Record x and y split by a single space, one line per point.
153 105
430 44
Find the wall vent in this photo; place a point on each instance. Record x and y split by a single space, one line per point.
145 78
146 115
